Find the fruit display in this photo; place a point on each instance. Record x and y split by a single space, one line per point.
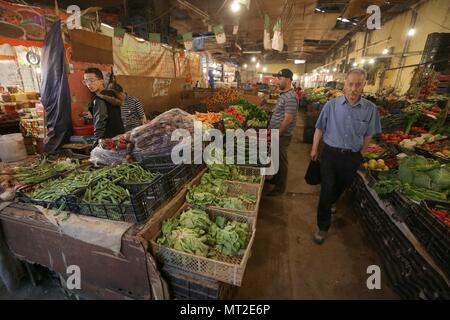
377 165
222 96
395 137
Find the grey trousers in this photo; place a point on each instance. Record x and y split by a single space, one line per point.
280 179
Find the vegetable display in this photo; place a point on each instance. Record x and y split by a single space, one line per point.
231 111
443 215
230 172
256 117
209 118
418 178
213 192
106 191
43 170
193 232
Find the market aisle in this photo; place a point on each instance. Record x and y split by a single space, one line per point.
286 264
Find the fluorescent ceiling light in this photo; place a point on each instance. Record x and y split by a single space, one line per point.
235 6
411 32
345 20
299 61
339 18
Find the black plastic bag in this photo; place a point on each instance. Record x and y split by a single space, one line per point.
312 175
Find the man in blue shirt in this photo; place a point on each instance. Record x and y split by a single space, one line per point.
346 125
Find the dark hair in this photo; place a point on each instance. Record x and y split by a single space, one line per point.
95 71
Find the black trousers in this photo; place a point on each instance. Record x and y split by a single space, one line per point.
280 178
337 171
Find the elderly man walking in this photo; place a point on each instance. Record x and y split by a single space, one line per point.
346 125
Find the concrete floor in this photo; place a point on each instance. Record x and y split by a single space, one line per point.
285 263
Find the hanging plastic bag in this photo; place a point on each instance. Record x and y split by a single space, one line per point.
277 41
267 42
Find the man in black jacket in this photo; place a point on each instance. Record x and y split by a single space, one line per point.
106 116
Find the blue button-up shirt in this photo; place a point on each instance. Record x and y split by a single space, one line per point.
345 126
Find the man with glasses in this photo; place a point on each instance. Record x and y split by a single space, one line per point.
107 117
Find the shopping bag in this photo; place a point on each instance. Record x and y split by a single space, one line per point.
312 176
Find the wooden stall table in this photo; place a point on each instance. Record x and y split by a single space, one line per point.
132 274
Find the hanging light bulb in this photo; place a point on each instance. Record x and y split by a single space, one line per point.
253 59
371 61
257 65
385 51
411 32
245 66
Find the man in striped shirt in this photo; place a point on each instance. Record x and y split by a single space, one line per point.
133 114
284 118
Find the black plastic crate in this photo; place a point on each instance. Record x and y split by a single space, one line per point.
140 207
174 177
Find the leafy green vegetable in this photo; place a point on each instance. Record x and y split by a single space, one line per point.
193 232
195 219
251 111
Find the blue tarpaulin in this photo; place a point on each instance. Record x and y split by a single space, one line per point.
55 93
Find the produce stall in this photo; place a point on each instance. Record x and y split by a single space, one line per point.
402 196
161 212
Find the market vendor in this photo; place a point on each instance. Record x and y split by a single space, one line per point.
107 118
284 119
346 124
133 114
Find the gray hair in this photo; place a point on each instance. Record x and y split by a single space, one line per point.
357 70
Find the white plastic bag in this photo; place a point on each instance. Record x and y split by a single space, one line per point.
100 156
